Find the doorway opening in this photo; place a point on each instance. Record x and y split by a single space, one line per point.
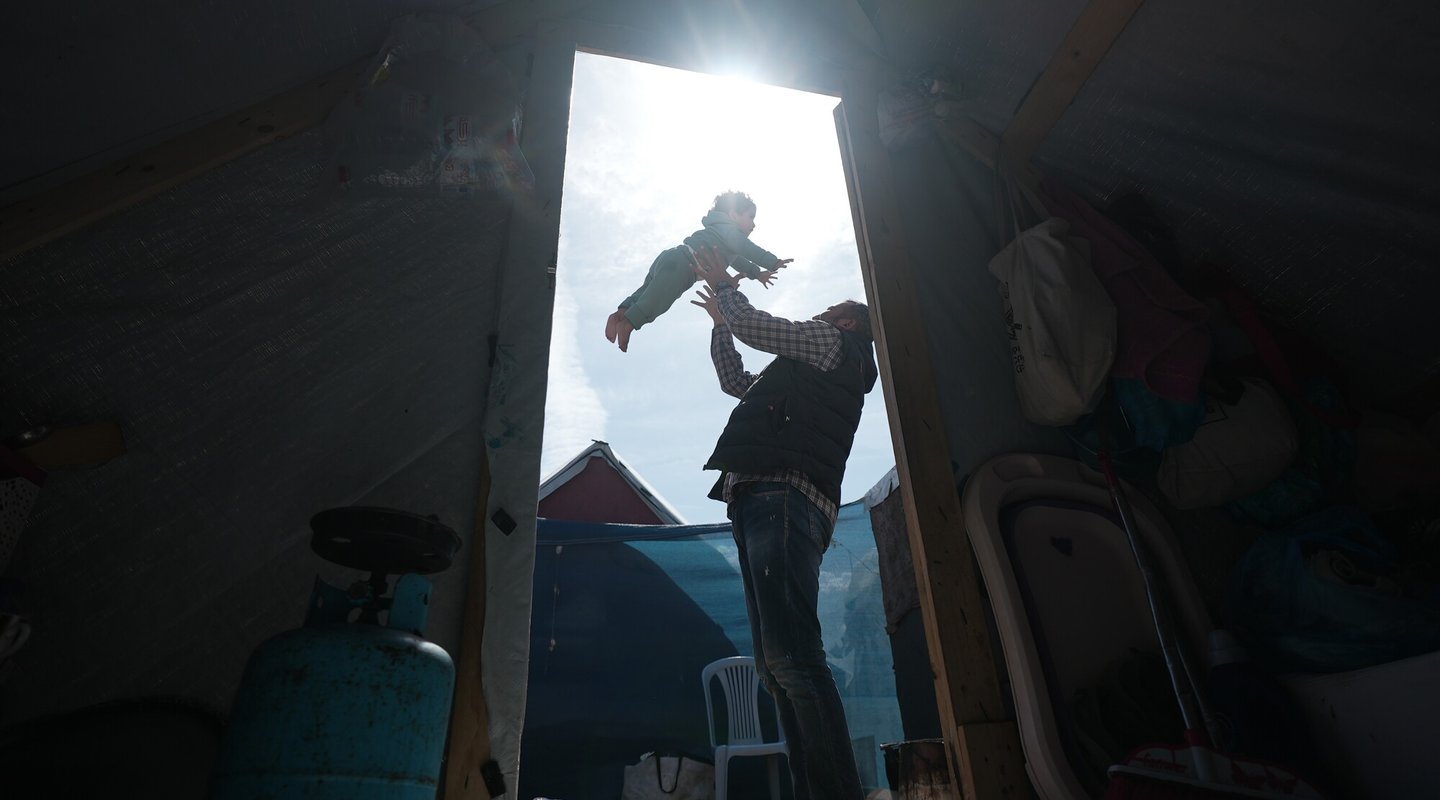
624 618
649 149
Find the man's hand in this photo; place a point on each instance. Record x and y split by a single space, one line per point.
711 303
711 268
781 263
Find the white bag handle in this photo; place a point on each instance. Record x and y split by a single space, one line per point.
1014 197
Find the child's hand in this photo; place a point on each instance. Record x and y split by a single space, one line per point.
767 277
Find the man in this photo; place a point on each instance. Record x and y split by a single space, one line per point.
782 457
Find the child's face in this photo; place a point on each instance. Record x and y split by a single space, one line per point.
744 219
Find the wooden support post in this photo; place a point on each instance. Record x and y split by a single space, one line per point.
469 745
983 744
48 215
1098 26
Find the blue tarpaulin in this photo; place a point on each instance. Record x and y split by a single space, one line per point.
626 616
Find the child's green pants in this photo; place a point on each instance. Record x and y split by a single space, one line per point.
670 275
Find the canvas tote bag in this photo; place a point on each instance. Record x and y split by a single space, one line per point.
669 776
1060 321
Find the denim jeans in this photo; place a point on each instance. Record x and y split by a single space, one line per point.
781 537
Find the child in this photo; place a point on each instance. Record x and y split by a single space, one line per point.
727 230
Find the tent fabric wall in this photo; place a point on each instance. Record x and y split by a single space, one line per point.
1279 145
1292 146
96 82
944 199
267 356
272 349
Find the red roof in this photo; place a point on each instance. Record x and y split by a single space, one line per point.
596 486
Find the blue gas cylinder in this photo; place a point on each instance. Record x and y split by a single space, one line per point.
351 705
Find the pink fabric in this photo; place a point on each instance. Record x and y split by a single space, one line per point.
1161 333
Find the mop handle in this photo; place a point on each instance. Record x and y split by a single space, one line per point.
1181 678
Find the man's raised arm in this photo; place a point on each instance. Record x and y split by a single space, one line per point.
810 341
729 367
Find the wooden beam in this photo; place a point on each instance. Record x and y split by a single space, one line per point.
1098 26
469 745
53 213
983 743
995 765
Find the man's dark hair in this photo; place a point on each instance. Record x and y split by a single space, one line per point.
860 313
736 202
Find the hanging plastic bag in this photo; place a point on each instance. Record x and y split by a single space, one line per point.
669 776
1161 335
1326 596
1061 321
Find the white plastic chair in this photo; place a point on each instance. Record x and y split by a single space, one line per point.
741 684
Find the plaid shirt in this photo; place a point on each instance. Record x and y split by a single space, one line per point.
810 341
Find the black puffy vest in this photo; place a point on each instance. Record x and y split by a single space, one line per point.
796 417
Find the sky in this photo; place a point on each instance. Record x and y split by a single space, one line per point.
649 148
